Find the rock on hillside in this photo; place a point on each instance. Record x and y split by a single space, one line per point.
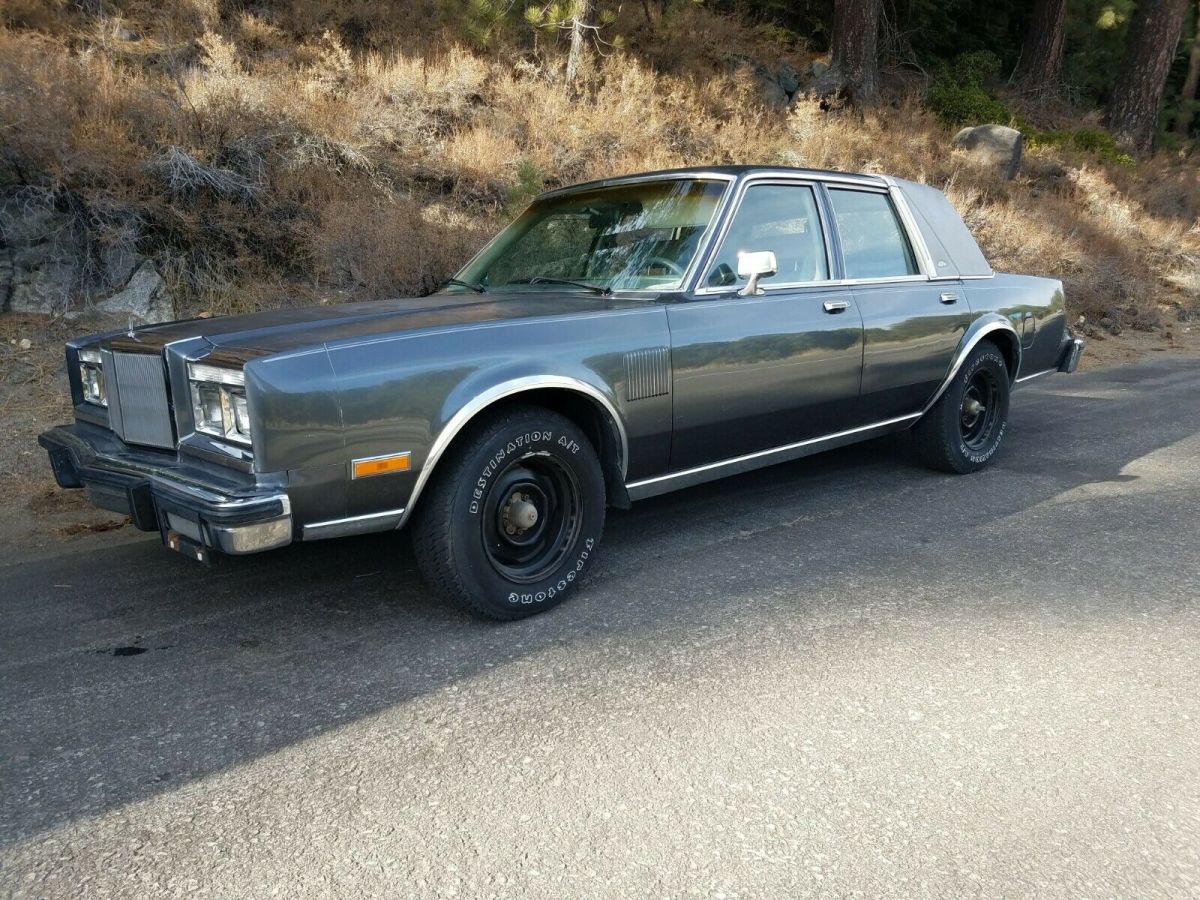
997 144
46 264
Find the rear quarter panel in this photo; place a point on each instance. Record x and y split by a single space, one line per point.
1034 306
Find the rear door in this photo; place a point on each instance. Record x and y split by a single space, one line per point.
912 325
757 372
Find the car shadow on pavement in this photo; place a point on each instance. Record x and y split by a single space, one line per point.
128 671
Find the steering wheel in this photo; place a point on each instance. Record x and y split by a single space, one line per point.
669 264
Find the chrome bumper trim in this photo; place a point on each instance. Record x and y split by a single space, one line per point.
254 538
247 520
1070 355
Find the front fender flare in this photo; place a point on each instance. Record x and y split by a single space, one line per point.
509 388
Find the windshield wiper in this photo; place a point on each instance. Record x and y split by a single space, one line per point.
477 288
544 279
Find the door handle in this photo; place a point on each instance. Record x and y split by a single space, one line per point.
836 306
948 298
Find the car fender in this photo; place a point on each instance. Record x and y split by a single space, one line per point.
989 325
475 395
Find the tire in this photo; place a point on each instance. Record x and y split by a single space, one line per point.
963 430
512 518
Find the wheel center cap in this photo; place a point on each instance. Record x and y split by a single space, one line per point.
972 407
522 514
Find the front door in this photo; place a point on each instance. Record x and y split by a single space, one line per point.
755 372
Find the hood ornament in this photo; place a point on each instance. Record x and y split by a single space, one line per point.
130 333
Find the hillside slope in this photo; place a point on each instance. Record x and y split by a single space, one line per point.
303 151
294 152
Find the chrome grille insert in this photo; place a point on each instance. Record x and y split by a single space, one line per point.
143 412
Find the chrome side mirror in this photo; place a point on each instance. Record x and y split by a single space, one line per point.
755 265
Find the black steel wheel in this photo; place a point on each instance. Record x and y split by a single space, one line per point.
963 430
511 521
979 410
532 517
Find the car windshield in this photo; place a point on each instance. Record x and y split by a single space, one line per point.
639 236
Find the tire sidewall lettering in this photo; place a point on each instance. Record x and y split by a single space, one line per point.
979 458
558 582
492 466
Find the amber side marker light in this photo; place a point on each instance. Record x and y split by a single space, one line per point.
380 465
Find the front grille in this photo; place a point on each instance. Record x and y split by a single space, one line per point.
141 413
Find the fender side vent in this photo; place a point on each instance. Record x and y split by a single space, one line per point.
647 373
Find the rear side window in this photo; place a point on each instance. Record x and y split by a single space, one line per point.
873 242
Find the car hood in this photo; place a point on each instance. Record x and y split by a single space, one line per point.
278 331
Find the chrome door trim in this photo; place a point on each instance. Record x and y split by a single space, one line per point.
909 223
693 284
661 484
507 389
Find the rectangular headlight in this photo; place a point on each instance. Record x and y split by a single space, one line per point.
91 377
219 405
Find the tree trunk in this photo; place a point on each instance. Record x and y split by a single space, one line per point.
855 48
580 23
1187 96
1042 51
1150 48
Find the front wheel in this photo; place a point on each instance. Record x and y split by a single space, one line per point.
963 430
512 519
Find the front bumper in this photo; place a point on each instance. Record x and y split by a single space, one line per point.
159 494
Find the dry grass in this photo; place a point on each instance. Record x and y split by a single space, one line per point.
297 151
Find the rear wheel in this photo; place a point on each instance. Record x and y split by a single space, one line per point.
511 521
963 430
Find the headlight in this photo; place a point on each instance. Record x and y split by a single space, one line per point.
219 402
91 377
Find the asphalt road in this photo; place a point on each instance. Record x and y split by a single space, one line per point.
841 676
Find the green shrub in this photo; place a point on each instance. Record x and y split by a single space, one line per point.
1098 143
964 104
978 68
959 94
530 182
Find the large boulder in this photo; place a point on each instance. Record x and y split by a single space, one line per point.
778 86
48 266
998 145
145 299
820 81
41 253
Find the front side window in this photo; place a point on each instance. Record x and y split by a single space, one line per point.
781 218
874 244
640 236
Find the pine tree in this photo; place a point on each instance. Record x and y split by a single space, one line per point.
1153 39
855 55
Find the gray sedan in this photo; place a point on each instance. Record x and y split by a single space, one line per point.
620 339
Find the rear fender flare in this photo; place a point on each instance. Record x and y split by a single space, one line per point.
990 326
